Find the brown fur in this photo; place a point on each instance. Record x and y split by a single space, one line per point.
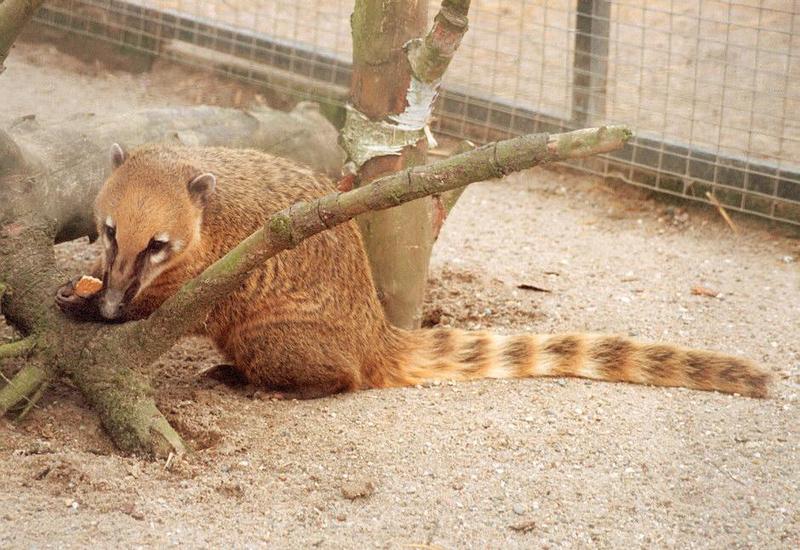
309 321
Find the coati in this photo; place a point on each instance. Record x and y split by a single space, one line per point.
309 322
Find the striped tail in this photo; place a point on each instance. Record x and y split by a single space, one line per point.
451 354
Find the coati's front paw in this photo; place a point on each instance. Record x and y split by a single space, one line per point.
76 299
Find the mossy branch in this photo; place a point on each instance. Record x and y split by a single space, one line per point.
17 348
430 56
124 401
450 198
32 400
19 389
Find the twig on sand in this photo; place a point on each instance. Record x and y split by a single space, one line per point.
722 212
727 473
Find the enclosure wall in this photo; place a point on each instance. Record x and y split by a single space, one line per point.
706 85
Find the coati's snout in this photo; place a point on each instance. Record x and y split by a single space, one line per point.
122 278
148 220
111 304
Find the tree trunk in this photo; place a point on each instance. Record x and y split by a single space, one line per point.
398 241
396 77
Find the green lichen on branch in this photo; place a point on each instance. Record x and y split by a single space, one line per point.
581 143
18 348
32 401
430 56
22 386
123 399
280 225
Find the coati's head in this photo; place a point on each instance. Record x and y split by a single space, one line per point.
149 214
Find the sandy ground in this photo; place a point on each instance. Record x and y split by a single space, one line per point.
493 464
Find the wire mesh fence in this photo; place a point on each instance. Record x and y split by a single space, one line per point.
705 84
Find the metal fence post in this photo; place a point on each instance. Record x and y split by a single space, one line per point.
590 67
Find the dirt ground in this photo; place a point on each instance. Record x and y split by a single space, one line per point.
493 464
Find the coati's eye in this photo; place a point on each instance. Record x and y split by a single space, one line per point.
110 229
156 246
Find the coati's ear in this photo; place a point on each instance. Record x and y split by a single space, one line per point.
117 156
202 187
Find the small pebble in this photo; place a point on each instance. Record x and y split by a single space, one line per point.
524 526
355 489
519 509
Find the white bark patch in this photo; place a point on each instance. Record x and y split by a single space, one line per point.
420 97
364 139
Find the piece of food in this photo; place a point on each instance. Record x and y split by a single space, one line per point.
88 286
698 290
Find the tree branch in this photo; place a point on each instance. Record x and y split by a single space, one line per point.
430 56
124 401
32 400
13 16
24 384
17 348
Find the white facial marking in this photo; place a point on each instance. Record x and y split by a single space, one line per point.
158 257
162 237
110 221
178 245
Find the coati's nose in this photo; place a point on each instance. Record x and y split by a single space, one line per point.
111 304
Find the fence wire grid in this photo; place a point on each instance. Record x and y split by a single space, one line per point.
709 86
